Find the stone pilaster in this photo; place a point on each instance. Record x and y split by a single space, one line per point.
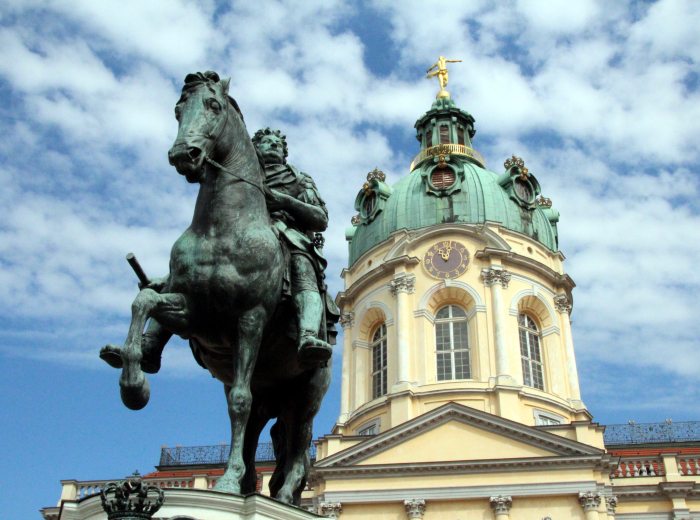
330 509
347 320
401 286
497 278
403 283
590 502
611 505
415 508
501 506
562 303
496 275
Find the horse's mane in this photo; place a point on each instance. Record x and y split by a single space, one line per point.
196 79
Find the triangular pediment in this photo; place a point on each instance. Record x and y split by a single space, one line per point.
454 433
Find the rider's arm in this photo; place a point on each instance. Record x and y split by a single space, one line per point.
309 216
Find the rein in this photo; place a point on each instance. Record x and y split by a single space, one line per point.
234 174
220 166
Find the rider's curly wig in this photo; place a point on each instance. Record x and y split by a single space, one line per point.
268 131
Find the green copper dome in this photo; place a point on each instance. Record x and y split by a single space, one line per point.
449 184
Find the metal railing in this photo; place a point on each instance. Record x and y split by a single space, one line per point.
217 454
651 433
447 149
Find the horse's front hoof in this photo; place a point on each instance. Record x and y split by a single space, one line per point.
112 355
135 396
228 484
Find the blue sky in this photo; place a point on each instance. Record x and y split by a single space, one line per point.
599 98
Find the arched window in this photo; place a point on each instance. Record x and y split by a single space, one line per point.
452 344
378 349
530 354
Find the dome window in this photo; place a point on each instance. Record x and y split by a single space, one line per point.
523 190
443 178
368 204
520 184
371 199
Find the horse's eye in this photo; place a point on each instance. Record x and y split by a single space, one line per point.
214 105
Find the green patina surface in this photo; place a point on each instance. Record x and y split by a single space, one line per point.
479 196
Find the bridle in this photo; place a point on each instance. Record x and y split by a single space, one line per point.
221 167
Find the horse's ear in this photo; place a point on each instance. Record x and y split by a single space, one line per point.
225 84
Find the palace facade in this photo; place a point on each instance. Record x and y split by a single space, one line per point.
460 393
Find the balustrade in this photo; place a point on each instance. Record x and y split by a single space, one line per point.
689 465
639 467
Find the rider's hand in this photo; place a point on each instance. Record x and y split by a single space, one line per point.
275 200
157 284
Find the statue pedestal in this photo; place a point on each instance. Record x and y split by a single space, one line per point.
197 504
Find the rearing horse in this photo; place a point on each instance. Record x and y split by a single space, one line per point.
223 293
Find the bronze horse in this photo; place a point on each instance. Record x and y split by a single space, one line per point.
223 293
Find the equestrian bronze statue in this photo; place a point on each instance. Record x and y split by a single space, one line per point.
245 287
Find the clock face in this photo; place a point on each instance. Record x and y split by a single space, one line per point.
446 259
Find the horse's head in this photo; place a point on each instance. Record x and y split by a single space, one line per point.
205 114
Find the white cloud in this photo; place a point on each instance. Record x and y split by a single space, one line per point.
594 96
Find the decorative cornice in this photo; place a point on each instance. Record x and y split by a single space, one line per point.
463 467
558 280
492 276
562 303
677 489
403 283
330 509
373 276
501 504
415 508
589 500
347 319
611 504
476 418
547 489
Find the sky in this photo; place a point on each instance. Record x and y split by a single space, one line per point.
601 100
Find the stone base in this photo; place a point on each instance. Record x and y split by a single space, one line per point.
198 504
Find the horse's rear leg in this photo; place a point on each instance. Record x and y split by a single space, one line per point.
245 353
135 391
298 418
257 421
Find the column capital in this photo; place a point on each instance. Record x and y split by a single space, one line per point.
403 283
330 509
501 504
589 500
494 275
415 507
562 303
611 504
347 319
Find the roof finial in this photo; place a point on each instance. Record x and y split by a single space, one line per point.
439 69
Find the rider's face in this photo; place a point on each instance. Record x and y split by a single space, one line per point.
272 149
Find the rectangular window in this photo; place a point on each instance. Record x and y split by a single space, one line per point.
368 430
379 363
444 134
460 135
452 344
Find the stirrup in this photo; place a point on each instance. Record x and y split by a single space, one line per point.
314 350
